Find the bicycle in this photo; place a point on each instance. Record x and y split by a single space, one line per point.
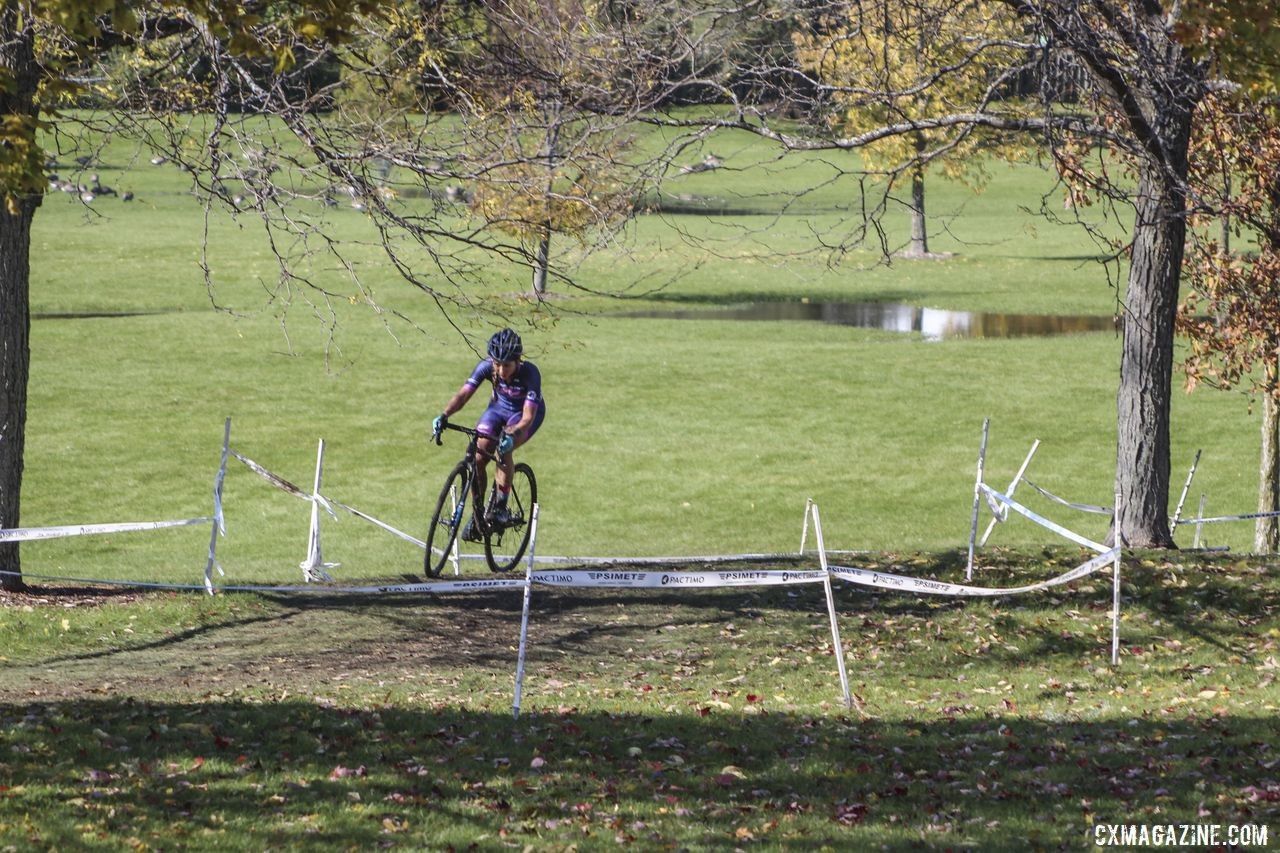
504 544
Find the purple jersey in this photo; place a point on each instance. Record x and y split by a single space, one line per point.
524 388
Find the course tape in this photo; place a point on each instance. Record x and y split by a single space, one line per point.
27 534
432 586
281 483
1106 510
567 578
1098 510
998 510
1186 521
1044 522
648 580
387 527
328 503
657 580
903 583
709 559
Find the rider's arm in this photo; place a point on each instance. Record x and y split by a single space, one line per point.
457 401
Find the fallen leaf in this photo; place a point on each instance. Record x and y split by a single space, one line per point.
341 772
850 813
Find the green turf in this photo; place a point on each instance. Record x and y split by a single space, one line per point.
663 436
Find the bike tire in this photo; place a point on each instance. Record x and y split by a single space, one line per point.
446 521
504 548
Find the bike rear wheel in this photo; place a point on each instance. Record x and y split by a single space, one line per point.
505 544
446 521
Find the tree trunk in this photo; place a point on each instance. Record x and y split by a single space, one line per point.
1146 364
919 236
919 247
1224 218
1266 532
17 104
541 263
15 360
550 152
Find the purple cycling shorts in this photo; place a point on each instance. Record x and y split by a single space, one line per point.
495 418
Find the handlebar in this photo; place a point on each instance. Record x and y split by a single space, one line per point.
468 430
473 434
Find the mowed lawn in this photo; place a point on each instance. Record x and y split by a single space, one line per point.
664 436
701 720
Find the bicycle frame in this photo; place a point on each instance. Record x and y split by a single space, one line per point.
473 446
461 488
469 482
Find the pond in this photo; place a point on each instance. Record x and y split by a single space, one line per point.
933 324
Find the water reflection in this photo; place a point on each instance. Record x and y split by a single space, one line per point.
933 324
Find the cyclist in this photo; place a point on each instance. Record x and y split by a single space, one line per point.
515 412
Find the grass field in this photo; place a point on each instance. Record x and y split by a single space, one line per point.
709 721
713 433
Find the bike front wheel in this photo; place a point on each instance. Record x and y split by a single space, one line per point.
505 544
446 521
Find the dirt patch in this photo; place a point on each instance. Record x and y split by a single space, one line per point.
69 596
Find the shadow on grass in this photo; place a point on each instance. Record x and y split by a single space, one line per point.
303 774
174 640
772 204
96 315
1074 259
1225 610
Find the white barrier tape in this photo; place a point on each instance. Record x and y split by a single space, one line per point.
1182 499
274 479
328 503
1000 512
646 580
1230 518
1098 510
708 559
903 583
283 484
659 580
651 580
1044 522
369 518
433 587
28 534
219 520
